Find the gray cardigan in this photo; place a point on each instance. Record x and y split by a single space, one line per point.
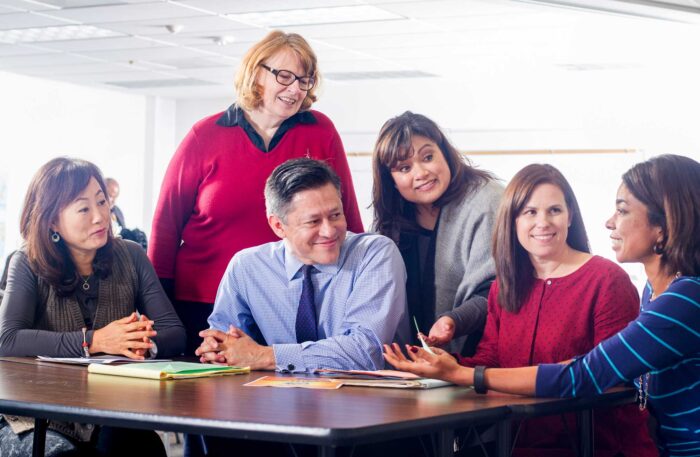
463 259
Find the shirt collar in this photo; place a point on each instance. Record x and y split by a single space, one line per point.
233 117
292 265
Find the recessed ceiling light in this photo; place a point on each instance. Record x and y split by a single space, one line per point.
174 28
358 13
223 40
64 32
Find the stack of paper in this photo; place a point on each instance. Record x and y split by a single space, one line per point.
166 370
96 359
381 378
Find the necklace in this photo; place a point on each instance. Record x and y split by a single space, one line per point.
86 283
676 276
643 391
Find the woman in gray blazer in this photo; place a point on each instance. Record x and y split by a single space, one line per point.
440 211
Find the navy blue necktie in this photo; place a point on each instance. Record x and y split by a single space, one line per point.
306 326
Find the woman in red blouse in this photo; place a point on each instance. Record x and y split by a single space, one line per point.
211 202
553 300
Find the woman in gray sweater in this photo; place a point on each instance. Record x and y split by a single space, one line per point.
440 211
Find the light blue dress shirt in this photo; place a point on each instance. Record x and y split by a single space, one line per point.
360 303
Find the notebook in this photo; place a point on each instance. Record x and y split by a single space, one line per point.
166 370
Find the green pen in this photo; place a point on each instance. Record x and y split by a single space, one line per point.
422 341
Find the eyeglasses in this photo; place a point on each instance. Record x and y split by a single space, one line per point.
287 78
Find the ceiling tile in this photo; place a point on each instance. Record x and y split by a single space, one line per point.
395 40
152 53
363 29
101 44
230 50
223 75
42 60
248 6
66 4
27 20
90 70
21 5
121 13
451 8
7 50
341 66
241 38
191 24
456 39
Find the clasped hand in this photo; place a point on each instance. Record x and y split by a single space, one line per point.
129 336
234 348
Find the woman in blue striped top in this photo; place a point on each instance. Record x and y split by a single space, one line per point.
656 222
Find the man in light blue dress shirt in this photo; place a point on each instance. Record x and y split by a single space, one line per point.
358 284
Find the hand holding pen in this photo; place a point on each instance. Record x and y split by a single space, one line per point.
421 337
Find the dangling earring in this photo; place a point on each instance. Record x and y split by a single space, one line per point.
658 248
55 237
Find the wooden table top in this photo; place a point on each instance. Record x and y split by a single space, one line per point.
223 406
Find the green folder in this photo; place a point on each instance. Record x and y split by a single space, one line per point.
166 370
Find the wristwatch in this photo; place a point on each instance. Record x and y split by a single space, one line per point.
479 381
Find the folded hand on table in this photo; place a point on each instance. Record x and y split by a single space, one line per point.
234 348
128 336
143 352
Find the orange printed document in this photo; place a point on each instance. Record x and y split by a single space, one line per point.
304 383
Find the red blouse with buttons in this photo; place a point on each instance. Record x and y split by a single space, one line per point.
561 318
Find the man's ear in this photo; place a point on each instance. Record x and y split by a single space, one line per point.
276 225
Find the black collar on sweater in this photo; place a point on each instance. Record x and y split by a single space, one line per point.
234 117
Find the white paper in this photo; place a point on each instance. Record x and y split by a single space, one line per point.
103 359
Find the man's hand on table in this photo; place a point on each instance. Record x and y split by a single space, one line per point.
234 348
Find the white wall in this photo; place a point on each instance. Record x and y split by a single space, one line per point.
42 119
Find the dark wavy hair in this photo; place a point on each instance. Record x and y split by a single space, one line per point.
392 213
514 270
669 187
57 184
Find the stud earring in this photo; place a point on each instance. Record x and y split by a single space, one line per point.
55 237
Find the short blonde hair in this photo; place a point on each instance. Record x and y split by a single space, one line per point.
249 91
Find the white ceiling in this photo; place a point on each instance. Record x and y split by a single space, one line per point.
424 39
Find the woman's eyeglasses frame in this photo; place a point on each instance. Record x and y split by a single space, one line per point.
305 82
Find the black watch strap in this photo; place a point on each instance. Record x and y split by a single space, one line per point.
479 381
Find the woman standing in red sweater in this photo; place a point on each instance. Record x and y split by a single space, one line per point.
211 202
551 301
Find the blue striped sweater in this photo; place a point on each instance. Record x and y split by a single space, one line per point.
663 341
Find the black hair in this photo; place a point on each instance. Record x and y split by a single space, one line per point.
292 177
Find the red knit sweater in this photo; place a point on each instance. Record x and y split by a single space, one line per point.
562 318
212 199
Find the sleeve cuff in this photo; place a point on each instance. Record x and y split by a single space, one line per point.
547 382
288 358
153 352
